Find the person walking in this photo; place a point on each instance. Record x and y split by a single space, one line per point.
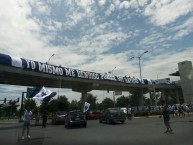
44 118
26 118
166 117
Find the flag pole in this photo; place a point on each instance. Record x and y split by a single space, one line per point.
114 98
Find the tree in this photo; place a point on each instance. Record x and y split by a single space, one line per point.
92 100
59 104
134 99
107 103
146 101
122 101
10 109
30 103
75 105
52 107
63 103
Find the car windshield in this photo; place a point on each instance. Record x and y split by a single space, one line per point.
60 113
75 113
114 110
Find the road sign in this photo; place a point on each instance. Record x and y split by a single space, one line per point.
118 93
29 92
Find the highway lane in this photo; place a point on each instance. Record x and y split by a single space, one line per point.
139 131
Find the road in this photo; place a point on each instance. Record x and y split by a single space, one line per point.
139 131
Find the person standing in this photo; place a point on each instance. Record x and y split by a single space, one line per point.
129 112
187 110
26 124
44 118
166 117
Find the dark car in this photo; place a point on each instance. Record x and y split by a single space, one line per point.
113 115
75 118
58 117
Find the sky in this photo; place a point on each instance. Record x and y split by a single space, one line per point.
98 35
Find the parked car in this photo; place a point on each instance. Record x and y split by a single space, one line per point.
112 115
58 117
75 118
93 115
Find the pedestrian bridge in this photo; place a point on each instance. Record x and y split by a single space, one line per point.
25 72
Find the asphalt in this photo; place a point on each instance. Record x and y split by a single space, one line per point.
14 123
138 131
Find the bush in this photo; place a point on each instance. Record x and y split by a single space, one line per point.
155 113
141 113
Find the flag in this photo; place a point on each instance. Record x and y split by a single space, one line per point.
43 94
86 107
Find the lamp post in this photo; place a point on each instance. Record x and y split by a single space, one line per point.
141 102
158 74
140 63
50 58
111 72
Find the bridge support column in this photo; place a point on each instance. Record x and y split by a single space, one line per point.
141 98
83 98
163 96
177 97
151 98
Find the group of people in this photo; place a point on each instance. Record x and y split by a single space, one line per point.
26 121
167 111
179 110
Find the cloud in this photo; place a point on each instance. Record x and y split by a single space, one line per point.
184 29
40 7
154 40
101 2
167 63
133 4
124 4
164 12
110 10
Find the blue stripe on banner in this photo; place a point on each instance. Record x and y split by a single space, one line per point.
5 59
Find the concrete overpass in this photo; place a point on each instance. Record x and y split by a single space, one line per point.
24 72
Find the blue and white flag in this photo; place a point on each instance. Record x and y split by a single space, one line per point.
86 107
43 94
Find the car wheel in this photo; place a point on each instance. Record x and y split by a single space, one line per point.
85 125
123 121
53 122
108 121
100 121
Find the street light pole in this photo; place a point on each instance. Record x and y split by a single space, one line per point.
140 63
49 58
158 74
142 100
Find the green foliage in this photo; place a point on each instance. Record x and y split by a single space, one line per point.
53 106
30 103
92 100
107 103
146 101
63 103
155 113
10 110
123 101
59 104
75 105
134 99
141 113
